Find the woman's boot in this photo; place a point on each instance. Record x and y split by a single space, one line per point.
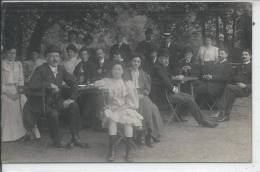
139 137
148 138
112 148
129 151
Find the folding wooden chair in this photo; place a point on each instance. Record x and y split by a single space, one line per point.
209 101
174 114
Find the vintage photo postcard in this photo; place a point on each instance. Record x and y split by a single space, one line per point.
127 82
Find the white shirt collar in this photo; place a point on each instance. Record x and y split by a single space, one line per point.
54 70
247 62
169 44
223 61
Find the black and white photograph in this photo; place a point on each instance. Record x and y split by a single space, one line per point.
126 82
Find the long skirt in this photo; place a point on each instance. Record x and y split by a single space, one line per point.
152 117
11 113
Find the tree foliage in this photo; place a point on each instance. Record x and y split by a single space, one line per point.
27 24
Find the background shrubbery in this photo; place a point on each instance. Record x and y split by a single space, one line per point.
35 25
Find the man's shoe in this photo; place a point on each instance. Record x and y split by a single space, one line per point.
156 140
209 124
60 145
224 118
81 145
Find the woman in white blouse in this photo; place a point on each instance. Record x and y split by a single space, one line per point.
208 54
12 101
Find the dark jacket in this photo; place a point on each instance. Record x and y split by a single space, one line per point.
42 79
124 49
88 71
101 70
221 75
244 75
145 48
161 82
174 55
144 81
194 71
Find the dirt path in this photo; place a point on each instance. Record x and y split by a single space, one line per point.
182 142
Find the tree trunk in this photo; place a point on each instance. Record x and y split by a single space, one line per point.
19 40
225 31
202 25
217 30
234 32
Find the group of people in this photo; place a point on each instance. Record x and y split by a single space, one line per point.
134 83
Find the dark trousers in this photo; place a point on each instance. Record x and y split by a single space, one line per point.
31 117
229 96
90 106
188 103
213 89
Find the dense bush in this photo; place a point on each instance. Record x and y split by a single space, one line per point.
34 25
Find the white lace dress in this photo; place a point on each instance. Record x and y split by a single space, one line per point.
122 102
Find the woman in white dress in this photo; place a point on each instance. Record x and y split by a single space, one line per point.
12 101
122 105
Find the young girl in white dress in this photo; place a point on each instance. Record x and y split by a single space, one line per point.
121 109
12 101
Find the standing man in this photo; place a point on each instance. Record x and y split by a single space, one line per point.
173 49
146 47
161 83
122 46
49 77
240 87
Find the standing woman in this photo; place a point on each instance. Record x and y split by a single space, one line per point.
122 105
12 101
152 118
208 54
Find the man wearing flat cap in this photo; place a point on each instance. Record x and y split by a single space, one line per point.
146 47
162 83
173 49
50 77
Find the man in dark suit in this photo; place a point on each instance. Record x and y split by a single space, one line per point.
187 66
84 73
146 47
173 49
161 82
50 77
121 46
101 65
214 80
241 87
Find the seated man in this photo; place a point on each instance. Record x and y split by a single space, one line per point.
161 82
240 87
49 77
213 81
186 65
